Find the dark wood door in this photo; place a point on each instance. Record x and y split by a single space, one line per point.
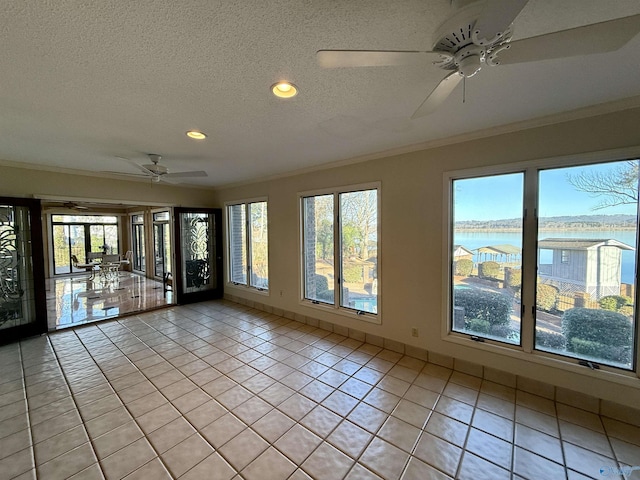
198 234
23 310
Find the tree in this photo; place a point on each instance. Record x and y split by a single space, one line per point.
618 186
360 211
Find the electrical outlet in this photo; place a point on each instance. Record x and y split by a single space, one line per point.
414 332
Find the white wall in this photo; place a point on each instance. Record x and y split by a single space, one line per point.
412 233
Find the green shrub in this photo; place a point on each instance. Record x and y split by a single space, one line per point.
601 351
546 297
464 267
321 291
489 270
614 302
593 325
626 310
352 274
513 278
503 331
482 305
550 340
477 325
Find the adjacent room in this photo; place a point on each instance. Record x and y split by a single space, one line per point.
292 240
97 258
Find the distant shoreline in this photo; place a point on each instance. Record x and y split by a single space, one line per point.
543 229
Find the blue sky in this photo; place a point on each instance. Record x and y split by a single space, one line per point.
498 197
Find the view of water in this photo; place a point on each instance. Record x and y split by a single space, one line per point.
473 240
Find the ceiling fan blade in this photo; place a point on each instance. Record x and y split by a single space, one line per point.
496 17
374 58
438 95
139 167
596 38
198 173
137 175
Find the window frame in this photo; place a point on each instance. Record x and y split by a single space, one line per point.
336 307
248 244
526 350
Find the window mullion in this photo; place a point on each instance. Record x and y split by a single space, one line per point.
247 239
337 248
529 258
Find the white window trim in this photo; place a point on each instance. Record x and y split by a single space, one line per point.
336 308
525 351
227 245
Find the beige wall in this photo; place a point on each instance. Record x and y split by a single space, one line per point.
22 182
412 234
28 182
412 219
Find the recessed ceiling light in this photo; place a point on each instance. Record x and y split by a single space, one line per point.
196 135
284 89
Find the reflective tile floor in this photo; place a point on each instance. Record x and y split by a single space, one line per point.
219 391
77 300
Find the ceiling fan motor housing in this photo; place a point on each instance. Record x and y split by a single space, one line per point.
457 37
157 169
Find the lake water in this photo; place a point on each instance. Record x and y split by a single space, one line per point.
473 240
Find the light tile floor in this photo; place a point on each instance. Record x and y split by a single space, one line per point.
74 300
219 391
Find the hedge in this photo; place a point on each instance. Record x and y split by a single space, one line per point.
614 302
513 278
482 305
477 325
550 340
464 267
489 270
594 325
620 354
546 297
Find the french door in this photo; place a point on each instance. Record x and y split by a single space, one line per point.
198 234
161 244
22 290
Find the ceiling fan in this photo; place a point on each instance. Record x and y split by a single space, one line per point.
157 172
479 33
74 206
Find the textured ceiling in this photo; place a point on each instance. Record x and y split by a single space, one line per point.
82 83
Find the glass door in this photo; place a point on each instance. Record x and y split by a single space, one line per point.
199 256
22 291
161 244
137 227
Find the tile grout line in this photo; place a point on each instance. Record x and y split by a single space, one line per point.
32 445
73 399
275 407
181 336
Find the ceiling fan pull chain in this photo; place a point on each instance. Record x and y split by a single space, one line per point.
464 89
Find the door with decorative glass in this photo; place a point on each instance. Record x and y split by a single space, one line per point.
199 254
22 291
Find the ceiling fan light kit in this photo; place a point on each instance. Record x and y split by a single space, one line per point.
480 33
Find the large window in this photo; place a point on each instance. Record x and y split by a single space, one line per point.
74 236
247 224
545 260
340 249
